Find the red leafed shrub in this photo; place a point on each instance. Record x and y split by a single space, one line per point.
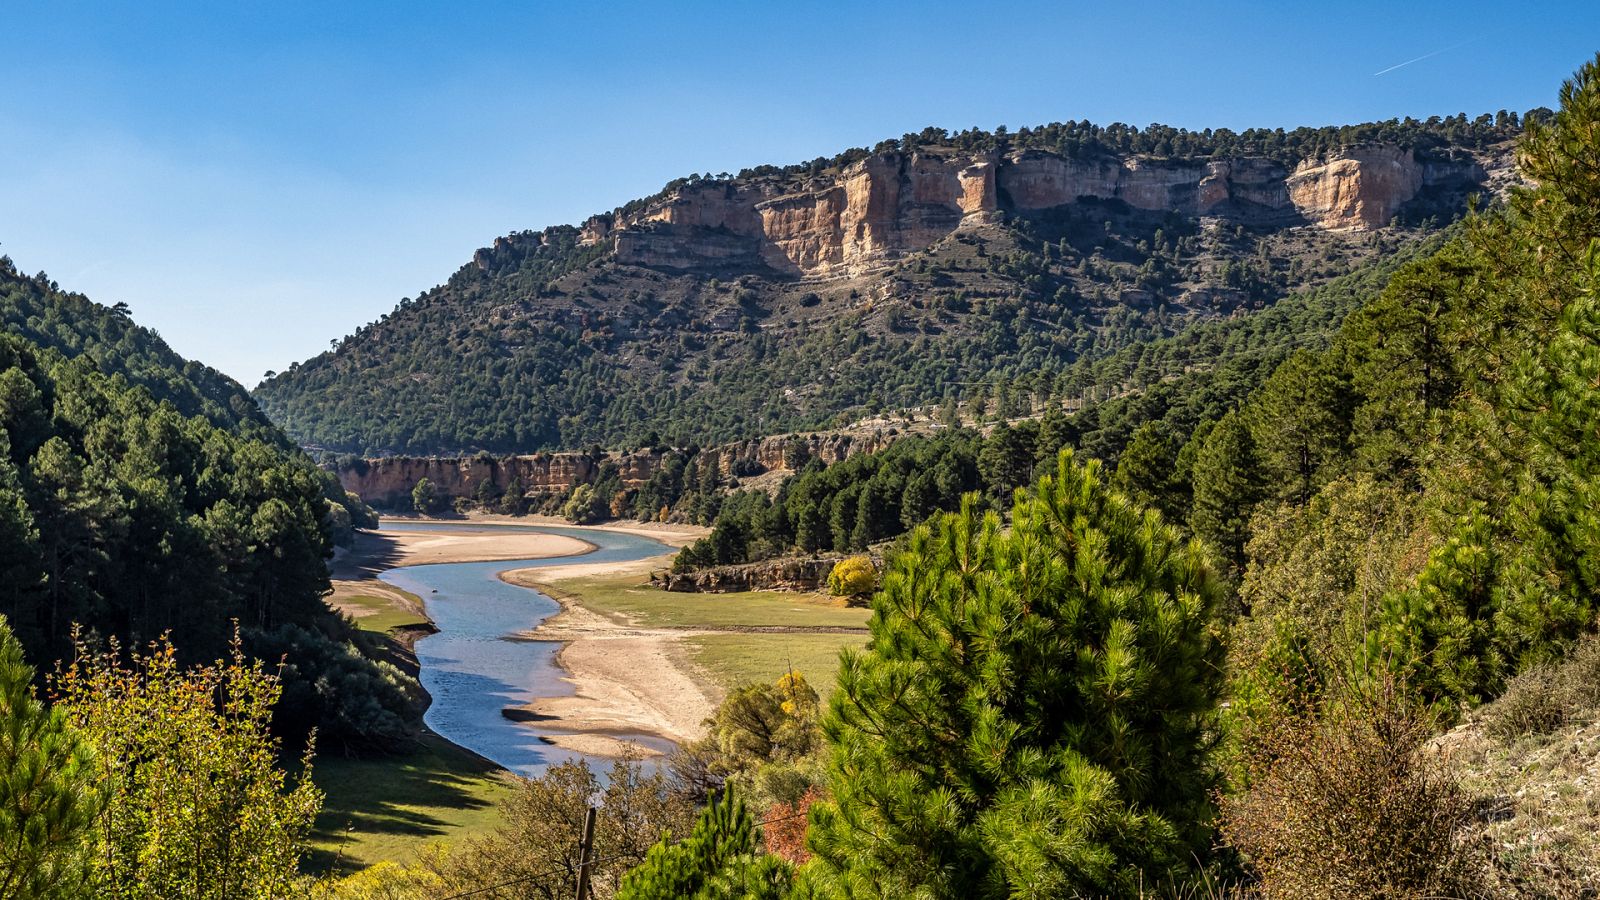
785 832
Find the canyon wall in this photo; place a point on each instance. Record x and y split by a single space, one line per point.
889 204
386 482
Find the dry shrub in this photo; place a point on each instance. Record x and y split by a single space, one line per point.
1545 698
785 832
536 844
1353 805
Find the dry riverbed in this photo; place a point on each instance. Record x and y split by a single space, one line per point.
640 660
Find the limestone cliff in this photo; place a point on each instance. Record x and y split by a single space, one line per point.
867 213
386 482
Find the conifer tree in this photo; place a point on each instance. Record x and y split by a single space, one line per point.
1517 581
1297 425
48 794
1033 715
1147 472
1439 635
717 860
1227 487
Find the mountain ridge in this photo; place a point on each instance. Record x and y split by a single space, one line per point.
779 300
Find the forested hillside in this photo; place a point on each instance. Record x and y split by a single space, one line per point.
684 316
144 495
37 309
1165 390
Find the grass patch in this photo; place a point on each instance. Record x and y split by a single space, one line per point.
632 596
734 659
386 808
377 607
384 617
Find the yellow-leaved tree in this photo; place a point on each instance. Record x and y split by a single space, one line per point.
198 806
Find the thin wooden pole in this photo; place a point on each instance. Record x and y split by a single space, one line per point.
585 854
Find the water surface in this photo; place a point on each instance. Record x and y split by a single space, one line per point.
471 668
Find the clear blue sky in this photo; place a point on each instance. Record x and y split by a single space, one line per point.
256 178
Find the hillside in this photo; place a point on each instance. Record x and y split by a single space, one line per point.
980 265
38 310
143 494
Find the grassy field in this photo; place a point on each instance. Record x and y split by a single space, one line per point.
732 658
383 616
631 595
387 808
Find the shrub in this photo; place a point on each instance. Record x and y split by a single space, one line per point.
198 806
1353 805
855 578
763 735
543 822
1545 698
354 702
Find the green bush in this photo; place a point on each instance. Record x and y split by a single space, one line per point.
1036 708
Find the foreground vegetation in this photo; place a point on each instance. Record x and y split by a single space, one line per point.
1247 657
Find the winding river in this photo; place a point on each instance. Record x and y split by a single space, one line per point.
473 669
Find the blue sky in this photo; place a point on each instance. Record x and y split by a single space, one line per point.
256 179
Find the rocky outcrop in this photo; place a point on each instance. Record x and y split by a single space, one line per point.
886 205
1360 188
387 482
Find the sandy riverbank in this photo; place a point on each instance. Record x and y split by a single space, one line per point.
626 679
629 681
378 551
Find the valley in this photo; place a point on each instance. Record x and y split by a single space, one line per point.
645 669
1066 510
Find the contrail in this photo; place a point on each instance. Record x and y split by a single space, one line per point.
1422 57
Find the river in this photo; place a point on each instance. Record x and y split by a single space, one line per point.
473 669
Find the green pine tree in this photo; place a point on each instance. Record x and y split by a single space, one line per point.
1034 713
1227 487
49 798
1298 427
719 860
1147 472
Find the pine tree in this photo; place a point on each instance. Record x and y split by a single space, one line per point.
1227 487
1033 714
1517 582
48 794
1297 423
424 496
717 860
1147 471
1438 637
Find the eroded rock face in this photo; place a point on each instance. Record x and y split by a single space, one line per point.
1360 188
387 482
890 204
